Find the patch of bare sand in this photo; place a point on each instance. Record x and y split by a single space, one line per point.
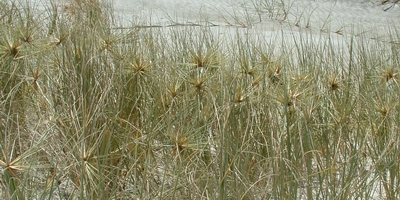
318 20
316 14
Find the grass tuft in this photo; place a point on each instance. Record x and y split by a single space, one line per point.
91 111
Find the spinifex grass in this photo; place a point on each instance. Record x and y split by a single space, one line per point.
190 113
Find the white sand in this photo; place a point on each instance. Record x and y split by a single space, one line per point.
342 17
327 15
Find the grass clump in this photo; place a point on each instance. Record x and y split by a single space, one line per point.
89 111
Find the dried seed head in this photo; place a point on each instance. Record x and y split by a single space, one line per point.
239 96
202 59
106 44
274 75
199 82
26 37
173 89
11 49
57 41
140 67
248 68
291 98
383 110
390 74
334 84
35 76
180 143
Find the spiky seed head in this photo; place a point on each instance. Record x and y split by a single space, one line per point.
390 74
198 82
383 110
274 75
334 84
140 66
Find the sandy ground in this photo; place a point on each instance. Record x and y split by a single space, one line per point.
337 16
316 20
341 17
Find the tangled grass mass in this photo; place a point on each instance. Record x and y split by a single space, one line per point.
90 110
